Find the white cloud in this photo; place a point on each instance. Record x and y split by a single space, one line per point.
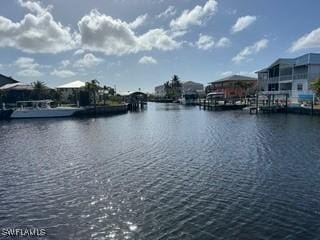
147 60
79 52
140 20
62 73
25 62
169 12
223 42
102 33
89 60
249 50
310 40
36 33
194 17
28 67
205 42
232 11
65 63
29 73
242 23
226 73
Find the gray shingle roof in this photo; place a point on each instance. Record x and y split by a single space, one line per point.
235 78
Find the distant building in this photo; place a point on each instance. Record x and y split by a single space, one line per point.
160 91
6 80
70 91
290 75
233 86
187 86
190 86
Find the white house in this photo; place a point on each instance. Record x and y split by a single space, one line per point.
291 76
70 89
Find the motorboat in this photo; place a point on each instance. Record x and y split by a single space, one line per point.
42 109
189 98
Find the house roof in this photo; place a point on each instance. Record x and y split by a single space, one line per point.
235 78
19 86
75 84
5 80
309 58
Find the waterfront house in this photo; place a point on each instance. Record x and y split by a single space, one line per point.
17 91
234 86
186 86
190 86
70 91
6 80
159 91
291 76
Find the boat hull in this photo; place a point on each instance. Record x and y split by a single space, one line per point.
44 113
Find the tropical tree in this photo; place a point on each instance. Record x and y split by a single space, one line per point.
315 86
39 89
176 86
112 91
93 87
167 89
56 95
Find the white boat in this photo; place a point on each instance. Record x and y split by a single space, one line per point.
41 109
189 98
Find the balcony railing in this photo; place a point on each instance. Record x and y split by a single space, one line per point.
288 77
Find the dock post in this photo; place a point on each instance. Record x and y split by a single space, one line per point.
286 103
312 106
257 102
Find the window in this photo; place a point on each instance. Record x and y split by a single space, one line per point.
299 87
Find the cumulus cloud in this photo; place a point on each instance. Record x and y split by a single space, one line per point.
103 33
309 40
205 42
226 73
194 17
147 60
25 62
242 23
79 52
89 60
62 73
223 42
65 63
140 20
169 12
250 50
37 32
29 73
28 67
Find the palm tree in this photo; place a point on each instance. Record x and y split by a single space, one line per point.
167 89
315 86
112 92
176 86
93 88
39 89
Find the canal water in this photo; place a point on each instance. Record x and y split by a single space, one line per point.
169 172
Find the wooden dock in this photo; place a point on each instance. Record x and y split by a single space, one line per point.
215 106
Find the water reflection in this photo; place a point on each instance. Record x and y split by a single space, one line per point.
169 172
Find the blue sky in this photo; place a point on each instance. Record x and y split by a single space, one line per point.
141 43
